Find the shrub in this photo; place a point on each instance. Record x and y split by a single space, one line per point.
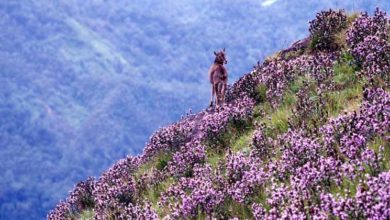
323 28
365 25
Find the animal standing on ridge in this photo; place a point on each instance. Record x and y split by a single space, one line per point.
218 78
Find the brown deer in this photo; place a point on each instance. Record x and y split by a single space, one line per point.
218 78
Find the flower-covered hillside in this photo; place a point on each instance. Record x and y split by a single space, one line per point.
304 135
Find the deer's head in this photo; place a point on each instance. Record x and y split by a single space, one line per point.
220 57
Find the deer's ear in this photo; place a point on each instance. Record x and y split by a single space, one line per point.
215 53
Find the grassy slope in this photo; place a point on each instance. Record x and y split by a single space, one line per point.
346 98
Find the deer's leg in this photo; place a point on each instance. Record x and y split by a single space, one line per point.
216 94
218 91
223 89
212 94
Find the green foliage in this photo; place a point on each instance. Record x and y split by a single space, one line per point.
214 157
347 99
162 162
153 194
346 186
277 119
262 93
86 215
257 111
261 197
159 162
314 41
243 142
230 209
375 143
345 69
351 18
340 37
226 138
297 84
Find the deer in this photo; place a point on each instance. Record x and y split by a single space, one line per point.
218 77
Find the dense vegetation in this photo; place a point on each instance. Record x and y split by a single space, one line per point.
303 135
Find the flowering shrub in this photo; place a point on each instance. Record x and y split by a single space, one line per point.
115 188
373 53
188 155
320 67
79 199
352 131
366 25
298 149
168 138
213 123
275 75
260 143
191 195
244 175
368 40
309 111
258 211
138 212
317 173
371 200
324 26
245 86
60 212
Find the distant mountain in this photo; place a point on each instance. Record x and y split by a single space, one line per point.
84 83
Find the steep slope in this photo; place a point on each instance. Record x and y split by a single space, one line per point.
305 134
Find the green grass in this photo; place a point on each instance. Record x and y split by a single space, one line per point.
153 194
260 197
261 93
277 119
352 17
213 157
237 210
348 99
344 72
243 142
297 84
375 143
86 215
346 184
340 38
349 88
159 162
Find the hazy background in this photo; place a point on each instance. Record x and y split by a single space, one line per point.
84 83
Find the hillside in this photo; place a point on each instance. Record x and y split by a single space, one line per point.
305 134
81 81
